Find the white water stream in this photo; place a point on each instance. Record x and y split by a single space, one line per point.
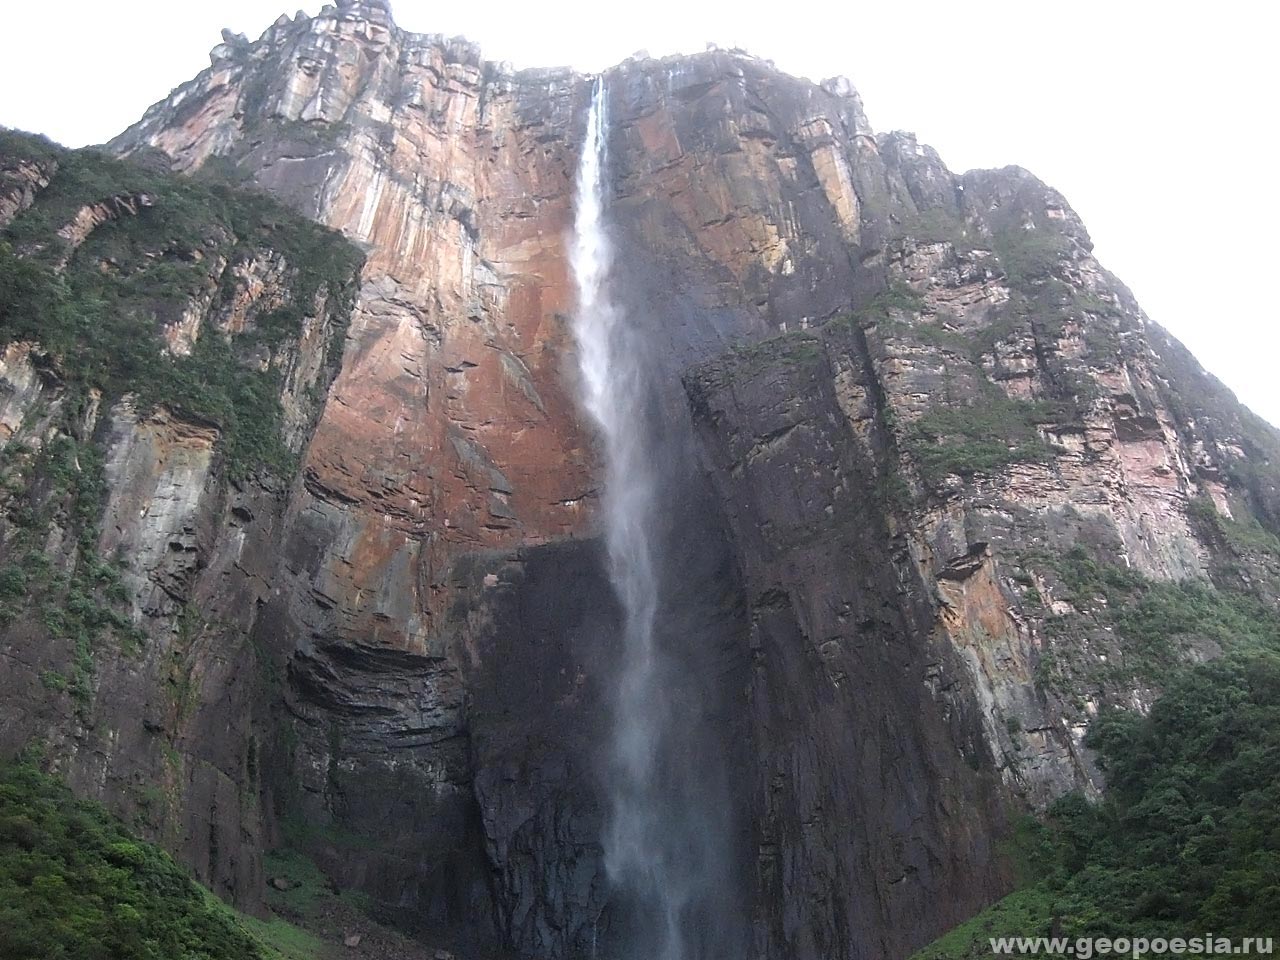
638 841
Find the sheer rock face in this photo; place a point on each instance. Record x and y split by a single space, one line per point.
163 718
433 595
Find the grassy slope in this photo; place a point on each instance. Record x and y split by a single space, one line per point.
75 884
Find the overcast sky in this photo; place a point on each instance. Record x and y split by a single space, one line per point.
1158 120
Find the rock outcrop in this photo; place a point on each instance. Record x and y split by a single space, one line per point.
893 396
142 496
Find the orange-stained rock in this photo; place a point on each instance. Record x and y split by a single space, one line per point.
875 625
451 421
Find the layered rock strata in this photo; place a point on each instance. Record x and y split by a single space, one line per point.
893 396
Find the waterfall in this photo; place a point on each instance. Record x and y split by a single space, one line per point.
642 850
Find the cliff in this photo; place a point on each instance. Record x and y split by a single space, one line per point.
895 399
166 348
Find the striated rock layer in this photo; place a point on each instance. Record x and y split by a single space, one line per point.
893 395
137 523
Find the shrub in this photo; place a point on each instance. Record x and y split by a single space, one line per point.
1030 256
983 437
1245 536
74 884
1187 838
100 319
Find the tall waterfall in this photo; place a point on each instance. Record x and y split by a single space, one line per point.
642 848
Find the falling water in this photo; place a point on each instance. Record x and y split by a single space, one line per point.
640 855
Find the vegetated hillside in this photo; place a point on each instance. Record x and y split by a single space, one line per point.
104 268
165 347
906 409
1186 840
76 885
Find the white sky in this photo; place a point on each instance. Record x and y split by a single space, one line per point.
1157 120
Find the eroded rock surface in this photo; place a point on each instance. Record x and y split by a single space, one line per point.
138 525
892 396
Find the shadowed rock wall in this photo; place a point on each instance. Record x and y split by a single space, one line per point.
890 395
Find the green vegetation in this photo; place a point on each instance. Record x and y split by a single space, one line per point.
1153 620
1189 834
100 318
1046 305
892 489
1050 307
1031 246
982 437
974 345
1028 912
805 345
74 885
307 892
1245 536
794 346
1187 839
1196 396
85 603
28 148
300 833
1032 259
934 334
937 224
305 887
96 313
281 939
1030 256
899 297
299 893
990 431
